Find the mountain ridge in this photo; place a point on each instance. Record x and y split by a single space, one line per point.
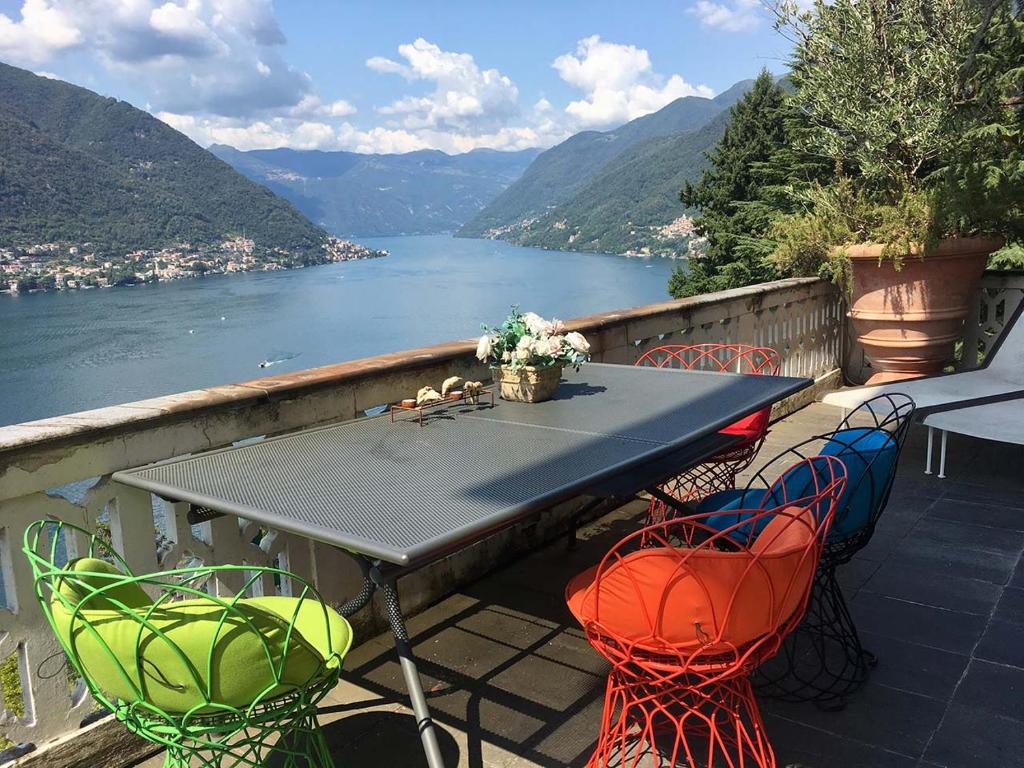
352 194
77 166
627 206
614 191
558 173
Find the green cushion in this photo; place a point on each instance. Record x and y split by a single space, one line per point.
92 574
196 656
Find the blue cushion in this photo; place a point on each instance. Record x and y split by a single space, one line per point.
725 502
870 459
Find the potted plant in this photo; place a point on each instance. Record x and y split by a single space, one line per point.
925 187
527 353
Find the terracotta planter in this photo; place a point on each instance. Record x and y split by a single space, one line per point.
527 384
908 320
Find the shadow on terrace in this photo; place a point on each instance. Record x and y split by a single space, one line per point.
938 596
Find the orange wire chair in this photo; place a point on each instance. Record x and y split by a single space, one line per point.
684 625
718 472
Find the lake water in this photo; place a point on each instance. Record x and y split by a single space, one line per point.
70 351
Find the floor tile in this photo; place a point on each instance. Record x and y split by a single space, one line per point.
944 559
921 624
915 668
970 536
992 515
971 738
1002 643
907 581
1011 605
993 688
887 718
799 745
1006 493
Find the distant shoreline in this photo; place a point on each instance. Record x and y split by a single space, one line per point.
206 275
146 268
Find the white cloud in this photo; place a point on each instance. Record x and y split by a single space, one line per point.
218 56
42 31
215 69
731 16
311 105
464 96
618 82
279 131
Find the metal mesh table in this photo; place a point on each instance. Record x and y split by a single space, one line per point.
404 494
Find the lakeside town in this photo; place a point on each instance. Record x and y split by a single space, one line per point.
60 266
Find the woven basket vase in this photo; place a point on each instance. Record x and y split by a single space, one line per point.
527 384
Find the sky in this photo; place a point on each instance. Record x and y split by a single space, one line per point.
393 76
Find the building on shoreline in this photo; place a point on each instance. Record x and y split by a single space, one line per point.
59 266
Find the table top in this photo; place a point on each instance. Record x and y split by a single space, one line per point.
402 492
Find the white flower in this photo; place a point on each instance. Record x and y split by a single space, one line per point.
578 342
506 356
523 354
557 327
483 348
537 325
525 342
551 346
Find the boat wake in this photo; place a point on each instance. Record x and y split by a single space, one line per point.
278 357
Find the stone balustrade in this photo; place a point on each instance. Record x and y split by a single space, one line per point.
60 467
998 296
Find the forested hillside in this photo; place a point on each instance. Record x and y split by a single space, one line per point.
616 191
557 174
625 207
79 167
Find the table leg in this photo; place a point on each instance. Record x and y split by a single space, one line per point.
424 723
671 501
942 455
928 460
373 579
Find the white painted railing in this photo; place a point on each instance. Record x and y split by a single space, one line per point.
60 467
998 296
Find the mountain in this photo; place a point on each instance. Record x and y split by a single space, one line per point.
557 174
83 168
616 191
347 193
626 206
733 93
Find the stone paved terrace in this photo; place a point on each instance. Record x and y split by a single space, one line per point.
938 595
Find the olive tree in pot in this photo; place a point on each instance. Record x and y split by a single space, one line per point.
916 105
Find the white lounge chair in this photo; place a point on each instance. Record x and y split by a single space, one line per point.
1002 421
1000 377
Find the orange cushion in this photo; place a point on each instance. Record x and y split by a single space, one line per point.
713 601
752 427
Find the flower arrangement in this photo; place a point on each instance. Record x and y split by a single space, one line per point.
528 340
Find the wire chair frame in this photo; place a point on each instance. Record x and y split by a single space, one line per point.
672 701
718 471
281 720
823 660
720 358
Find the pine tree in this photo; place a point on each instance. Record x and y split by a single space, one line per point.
736 196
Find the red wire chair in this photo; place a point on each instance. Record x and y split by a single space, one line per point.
719 471
684 626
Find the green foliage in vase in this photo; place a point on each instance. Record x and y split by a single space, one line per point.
734 196
527 339
916 105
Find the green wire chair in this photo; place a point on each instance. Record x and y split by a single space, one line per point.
220 682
